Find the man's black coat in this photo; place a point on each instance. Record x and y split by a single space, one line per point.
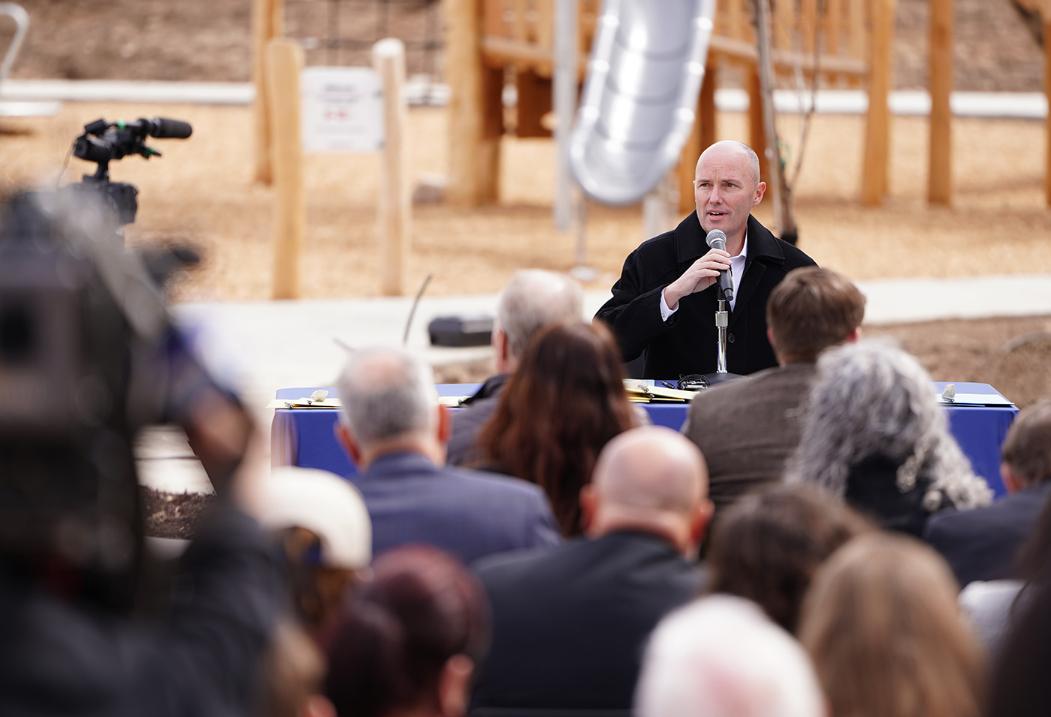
570 623
686 342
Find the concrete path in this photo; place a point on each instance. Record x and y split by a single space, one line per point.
419 91
262 346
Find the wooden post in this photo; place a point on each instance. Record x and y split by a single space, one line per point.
939 62
1047 93
699 139
395 214
877 120
284 65
267 24
756 128
475 108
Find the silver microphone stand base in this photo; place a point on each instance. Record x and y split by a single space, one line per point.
714 379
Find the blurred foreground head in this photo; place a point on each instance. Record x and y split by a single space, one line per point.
769 544
410 639
323 528
88 356
883 628
721 657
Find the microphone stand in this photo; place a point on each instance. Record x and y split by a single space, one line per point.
722 321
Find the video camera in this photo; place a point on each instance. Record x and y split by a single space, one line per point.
102 142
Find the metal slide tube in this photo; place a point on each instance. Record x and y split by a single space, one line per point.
640 97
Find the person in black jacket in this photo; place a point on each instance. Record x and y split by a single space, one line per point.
570 623
664 303
982 544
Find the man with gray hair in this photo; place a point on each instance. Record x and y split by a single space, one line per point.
395 431
569 623
532 300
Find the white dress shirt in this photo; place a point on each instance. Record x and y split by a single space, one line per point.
736 272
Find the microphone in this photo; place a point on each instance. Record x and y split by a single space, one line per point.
164 128
716 239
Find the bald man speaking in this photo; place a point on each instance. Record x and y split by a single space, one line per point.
664 303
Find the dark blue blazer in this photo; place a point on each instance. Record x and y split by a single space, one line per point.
982 544
570 623
468 513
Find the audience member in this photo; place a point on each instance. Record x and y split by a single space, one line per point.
569 623
1019 686
721 657
532 300
294 669
768 545
876 436
409 640
886 637
982 544
562 405
748 428
993 605
395 431
325 534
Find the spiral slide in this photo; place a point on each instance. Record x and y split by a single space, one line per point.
640 95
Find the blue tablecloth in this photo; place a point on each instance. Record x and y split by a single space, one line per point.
306 437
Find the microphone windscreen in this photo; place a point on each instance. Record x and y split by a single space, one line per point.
716 239
164 128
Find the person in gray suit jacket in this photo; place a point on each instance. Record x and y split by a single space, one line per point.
395 431
570 623
748 428
532 300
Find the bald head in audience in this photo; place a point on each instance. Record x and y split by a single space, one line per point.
649 479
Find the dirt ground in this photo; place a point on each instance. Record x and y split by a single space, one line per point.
201 190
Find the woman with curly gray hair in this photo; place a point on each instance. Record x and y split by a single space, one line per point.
875 436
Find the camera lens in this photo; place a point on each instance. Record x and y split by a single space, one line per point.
17 334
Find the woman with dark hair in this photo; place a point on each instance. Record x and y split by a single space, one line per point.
769 544
409 639
565 401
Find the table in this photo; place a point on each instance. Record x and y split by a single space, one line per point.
306 437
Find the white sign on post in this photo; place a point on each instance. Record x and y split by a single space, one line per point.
342 109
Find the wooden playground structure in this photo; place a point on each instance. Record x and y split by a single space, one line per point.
847 43
493 44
